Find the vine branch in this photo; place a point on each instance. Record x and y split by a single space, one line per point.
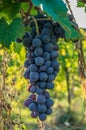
41 125
68 4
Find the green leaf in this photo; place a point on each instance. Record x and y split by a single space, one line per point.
17 47
8 33
33 11
6 2
9 10
25 6
80 4
37 2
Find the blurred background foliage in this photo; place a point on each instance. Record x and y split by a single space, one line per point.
69 107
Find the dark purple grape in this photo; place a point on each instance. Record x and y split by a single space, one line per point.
42 108
33 106
32 96
34 114
27 102
34 76
49 102
51 77
33 68
36 42
50 85
26 63
46 94
46 31
18 40
42 85
53 39
38 51
33 89
50 70
46 56
42 117
27 74
49 111
48 63
48 47
43 76
48 25
32 48
41 99
42 68
39 91
39 61
46 39
26 42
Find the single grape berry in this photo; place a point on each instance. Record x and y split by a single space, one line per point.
33 89
33 68
38 51
42 108
46 56
53 54
32 96
34 114
48 47
46 39
33 106
42 68
49 102
46 94
42 117
27 74
39 91
27 102
42 85
50 70
26 42
26 63
36 42
39 61
43 76
51 77
49 111
41 99
48 63
46 31
34 76
50 85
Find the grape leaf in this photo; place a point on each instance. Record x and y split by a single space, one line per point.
9 32
58 11
37 2
80 4
9 10
25 6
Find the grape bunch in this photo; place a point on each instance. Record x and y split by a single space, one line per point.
41 65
